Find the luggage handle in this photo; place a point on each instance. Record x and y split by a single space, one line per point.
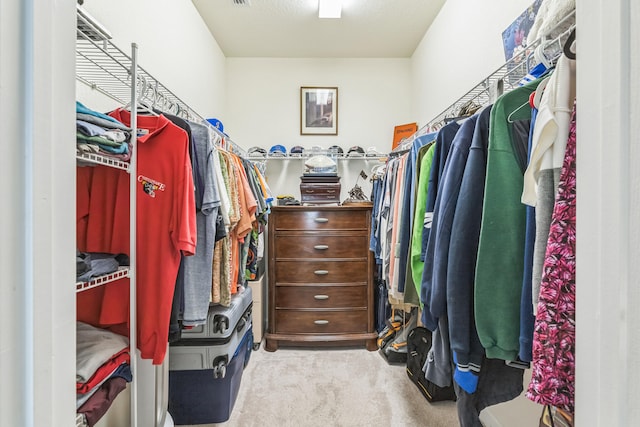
323 220
321 247
321 322
321 297
241 324
321 272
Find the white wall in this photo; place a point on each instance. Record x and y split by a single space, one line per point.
608 225
263 108
37 337
174 46
462 46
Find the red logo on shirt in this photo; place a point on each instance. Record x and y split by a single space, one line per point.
150 186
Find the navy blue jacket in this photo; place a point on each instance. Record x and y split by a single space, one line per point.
434 278
463 249
443 144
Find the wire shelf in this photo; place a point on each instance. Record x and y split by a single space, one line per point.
510 74
105 68
103 280
103 160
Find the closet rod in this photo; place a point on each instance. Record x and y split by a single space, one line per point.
509 74
229 145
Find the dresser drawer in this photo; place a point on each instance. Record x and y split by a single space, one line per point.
321 322
293 218
321 297
321 246
320 198
321 272
327 189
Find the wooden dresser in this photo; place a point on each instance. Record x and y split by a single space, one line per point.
320 277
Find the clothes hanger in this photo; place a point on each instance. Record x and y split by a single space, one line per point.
568 45
377 171
533 100
537 95
540 56
142 106
509 117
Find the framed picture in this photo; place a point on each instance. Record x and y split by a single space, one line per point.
318 111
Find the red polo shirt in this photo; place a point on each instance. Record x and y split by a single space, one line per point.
166 225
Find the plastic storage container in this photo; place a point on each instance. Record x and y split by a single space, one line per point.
197 396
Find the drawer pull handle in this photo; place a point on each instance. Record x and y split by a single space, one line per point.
321 322
331 191
321 272
322 220
321 247
310 191
321 297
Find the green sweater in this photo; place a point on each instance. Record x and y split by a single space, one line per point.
500 262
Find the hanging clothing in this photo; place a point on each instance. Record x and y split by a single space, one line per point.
547 153
406 221
553 373
464 249
198 269
499 268
527 318
497 383
394 269
443 144
166 227
434 277
416 259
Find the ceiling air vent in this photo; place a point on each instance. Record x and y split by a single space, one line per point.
242 2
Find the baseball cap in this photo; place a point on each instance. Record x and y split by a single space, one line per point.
278 150
373 152
297 149
257 152
334 149
355 151
216 124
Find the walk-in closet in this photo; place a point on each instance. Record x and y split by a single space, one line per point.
257 244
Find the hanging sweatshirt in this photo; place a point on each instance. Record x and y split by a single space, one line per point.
463 250
499 268
434 283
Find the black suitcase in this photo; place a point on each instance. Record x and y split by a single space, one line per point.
418 346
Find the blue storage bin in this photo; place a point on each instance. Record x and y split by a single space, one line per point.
198 397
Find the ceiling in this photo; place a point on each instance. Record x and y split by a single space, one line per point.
292 29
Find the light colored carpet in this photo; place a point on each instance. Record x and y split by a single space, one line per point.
332 388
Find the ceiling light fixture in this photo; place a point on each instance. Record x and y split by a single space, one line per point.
329 8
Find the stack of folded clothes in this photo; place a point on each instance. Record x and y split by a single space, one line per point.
102 370
97 133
